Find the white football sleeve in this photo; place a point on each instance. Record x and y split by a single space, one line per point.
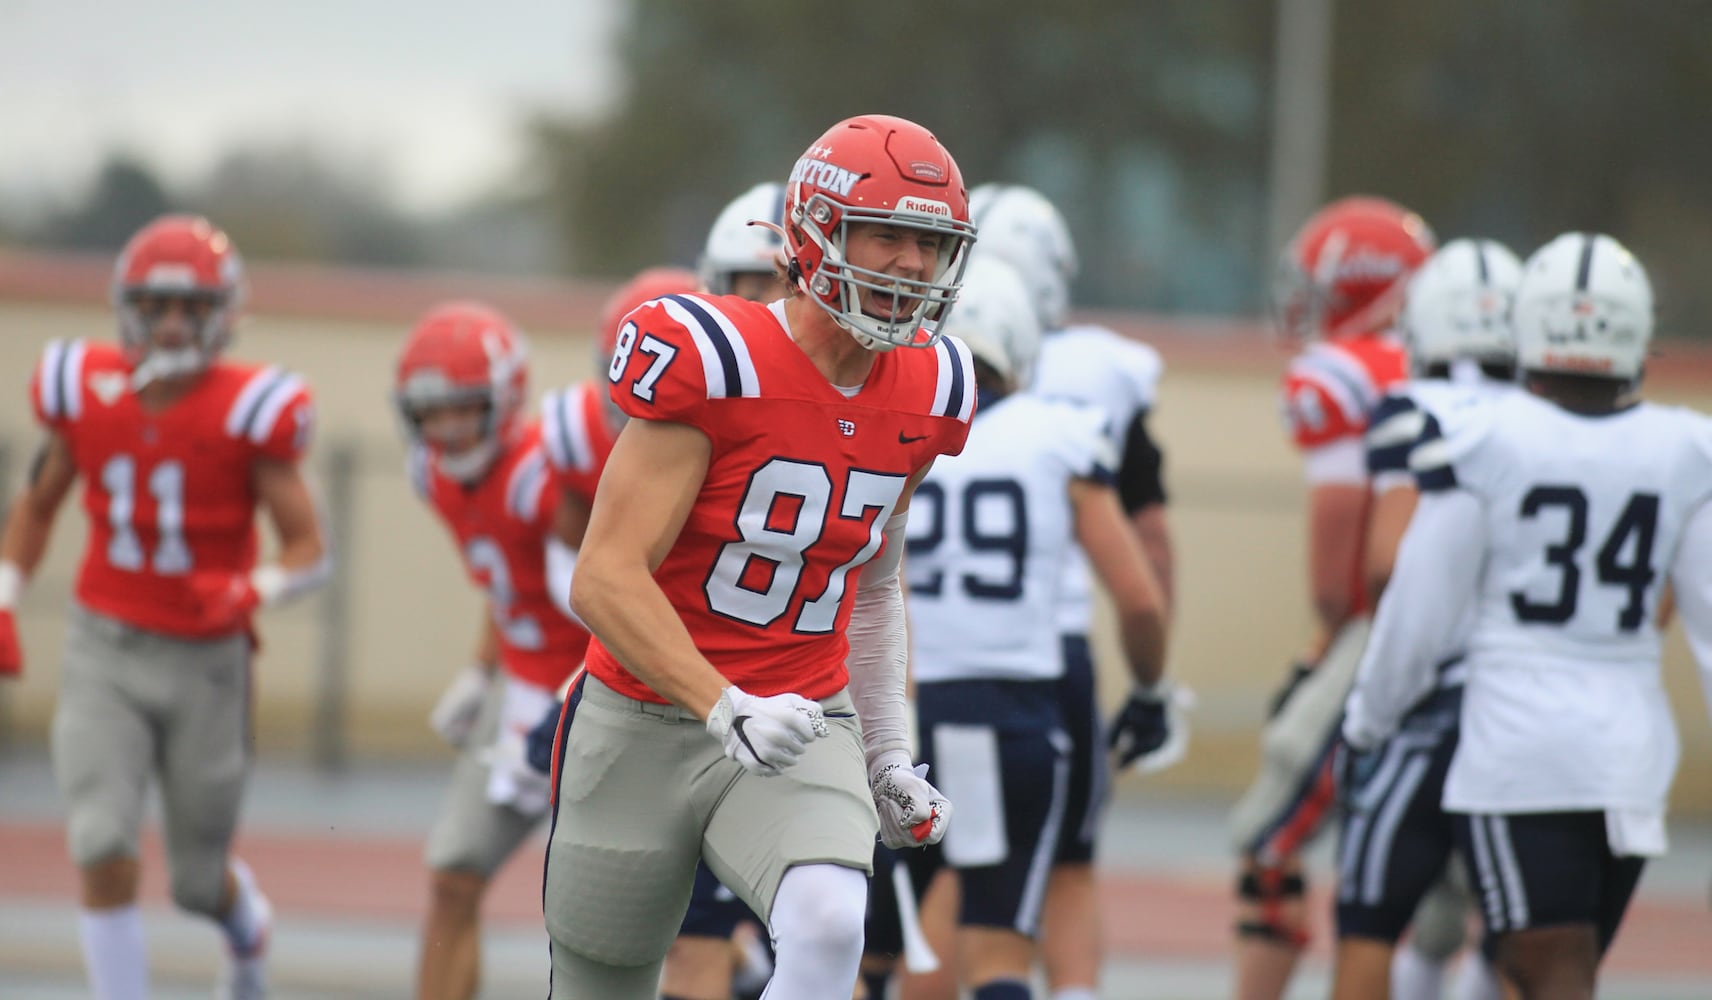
879 649
1691 575
1438 568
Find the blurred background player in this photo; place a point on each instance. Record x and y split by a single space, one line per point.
1340 287
1118 377
991 532
744 255
1555 517
482 468
741 567
1394 837
178 449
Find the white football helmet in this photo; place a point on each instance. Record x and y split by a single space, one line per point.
996 319
1018 225
737 245
1584 307
1458 304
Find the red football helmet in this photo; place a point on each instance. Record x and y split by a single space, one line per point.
181 258
1344 272
463 353
645 287
876 168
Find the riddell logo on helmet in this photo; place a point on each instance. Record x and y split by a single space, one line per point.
924 205
831 177
925 171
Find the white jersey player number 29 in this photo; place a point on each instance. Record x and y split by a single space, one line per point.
782 515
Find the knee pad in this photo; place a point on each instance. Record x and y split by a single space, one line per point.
1271 891
92 839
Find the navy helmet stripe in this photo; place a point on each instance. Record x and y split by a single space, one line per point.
1584 270
721 344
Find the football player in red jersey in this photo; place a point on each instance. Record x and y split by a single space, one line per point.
177 449
1340 289
740 574
483 469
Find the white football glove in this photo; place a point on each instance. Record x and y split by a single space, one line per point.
454 715
765 735
511 780
912 812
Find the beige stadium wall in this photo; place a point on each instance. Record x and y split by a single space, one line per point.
1236 511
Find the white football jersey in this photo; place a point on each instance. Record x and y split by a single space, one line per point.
1558 531
1410 419
990 532
1101 368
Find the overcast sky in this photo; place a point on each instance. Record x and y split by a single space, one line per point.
430 92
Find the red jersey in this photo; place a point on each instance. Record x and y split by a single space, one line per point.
1330 391
1332 387
577 435
799 485
167 493
501 524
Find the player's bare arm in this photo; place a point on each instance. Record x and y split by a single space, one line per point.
283 494
1124 570
1153 530
650 483
28 525
30 522
1334 545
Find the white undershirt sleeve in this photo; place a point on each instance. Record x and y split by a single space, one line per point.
879 650
1438 570
1340 461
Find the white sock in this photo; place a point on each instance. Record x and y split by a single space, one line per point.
1414 976
242 923
1475 980
113 953
817 932
1075 993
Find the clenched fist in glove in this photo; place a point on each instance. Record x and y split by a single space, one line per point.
765 735
912 812
1151 732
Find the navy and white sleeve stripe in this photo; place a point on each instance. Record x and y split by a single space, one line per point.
725 360
260 402
1430 460
523 490
564 432
954 391
61 379
1393 432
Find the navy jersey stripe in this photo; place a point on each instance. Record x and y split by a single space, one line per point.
721 344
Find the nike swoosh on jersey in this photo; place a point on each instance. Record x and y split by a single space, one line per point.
906 439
